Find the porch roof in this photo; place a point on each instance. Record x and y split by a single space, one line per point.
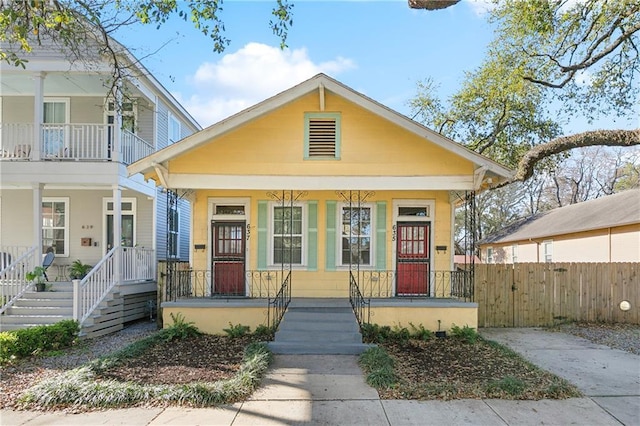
156 165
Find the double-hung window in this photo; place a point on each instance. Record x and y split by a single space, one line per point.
173 231
490 255
287 234
175 129
356 235
55 225
548 250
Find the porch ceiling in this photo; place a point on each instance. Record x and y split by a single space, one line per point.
57 84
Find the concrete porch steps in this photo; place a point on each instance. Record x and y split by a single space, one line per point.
318 327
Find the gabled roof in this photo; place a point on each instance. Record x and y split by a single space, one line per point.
618 209
320 82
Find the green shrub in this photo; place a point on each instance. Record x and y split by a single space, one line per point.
237 330
180 329
420 333
30 341
466 333
264 332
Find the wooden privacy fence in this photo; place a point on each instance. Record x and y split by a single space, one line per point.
543 294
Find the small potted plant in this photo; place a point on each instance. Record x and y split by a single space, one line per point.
37 277
78 270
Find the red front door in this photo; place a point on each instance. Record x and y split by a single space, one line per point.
412 255
228 258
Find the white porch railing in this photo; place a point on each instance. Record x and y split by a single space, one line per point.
136 264
16 141
75 141
13 281
134 147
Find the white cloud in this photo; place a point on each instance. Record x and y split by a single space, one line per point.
481 7
248 76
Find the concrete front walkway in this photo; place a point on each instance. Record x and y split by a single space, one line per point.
330 390
610 377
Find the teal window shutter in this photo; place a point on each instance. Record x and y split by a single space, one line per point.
263 235
312 236
330 243
381 235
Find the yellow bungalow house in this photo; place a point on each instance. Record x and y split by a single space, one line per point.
321 192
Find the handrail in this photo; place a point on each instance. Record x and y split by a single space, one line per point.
13 281
361 306
92 289
278 305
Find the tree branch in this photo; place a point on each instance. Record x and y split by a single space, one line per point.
579 140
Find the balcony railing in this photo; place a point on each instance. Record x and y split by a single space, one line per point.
79 142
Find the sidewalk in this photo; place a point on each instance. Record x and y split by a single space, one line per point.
330 390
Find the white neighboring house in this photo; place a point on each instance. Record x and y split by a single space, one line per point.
64 187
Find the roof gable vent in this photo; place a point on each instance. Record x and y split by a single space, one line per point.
322 137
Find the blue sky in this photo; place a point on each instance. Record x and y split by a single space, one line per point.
379 48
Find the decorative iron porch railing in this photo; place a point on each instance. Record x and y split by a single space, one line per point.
192 283
361 306
75 141
419 283
278 304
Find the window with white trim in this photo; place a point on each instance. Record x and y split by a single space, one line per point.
356 232
514 253
174 231
55 225
287 234
548 250
321 135
490 255
175 129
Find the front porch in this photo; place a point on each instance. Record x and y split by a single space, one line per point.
371 294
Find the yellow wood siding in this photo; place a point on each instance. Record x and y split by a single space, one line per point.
274 144
323 283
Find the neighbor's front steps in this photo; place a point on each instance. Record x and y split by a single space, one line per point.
49 307
318 326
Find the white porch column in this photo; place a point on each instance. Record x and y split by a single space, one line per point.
116 144
38 115
117 229
37 220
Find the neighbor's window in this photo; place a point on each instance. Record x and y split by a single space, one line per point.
355 241
55 225
548 250
173 231
175 131
322 136
490 255
287 238
514 253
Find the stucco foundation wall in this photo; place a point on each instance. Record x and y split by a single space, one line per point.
426 316
214 320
